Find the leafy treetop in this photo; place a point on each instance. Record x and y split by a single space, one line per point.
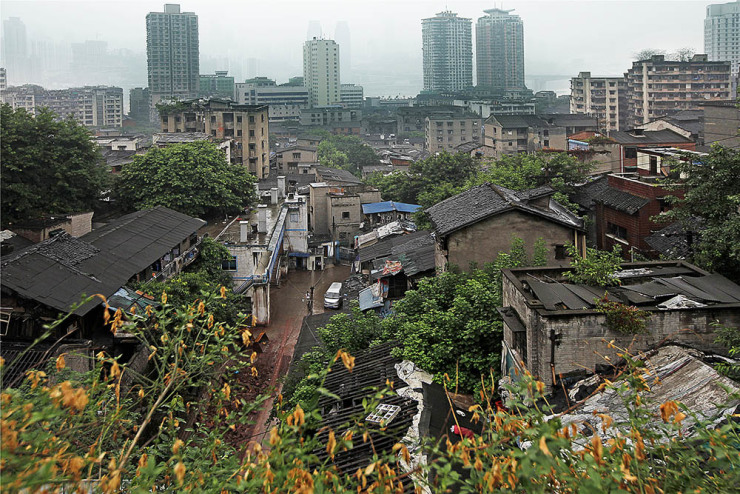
193 178
49 166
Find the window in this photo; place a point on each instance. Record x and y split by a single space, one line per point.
654 165
229 264
560 252
345 215
297 155
663 204
251 133
630 153
251 118
616 231
547 143
294 217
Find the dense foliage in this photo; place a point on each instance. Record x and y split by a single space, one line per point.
203 276
347 153
712 194
597 268
193 178
49 166
86 428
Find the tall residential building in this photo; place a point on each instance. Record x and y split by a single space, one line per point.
139 105
499 44
245 125
321 72
602 97
15 50
344 39
93 106
3 79
658 86
722 34
448 52
172 54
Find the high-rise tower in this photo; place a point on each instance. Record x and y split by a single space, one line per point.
448 52
321 72
15 50
172 54
499 43
722 34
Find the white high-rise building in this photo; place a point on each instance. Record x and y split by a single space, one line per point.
722 34
321 72
448 52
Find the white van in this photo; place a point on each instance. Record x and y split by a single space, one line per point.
333 296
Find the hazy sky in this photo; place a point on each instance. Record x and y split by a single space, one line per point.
561 37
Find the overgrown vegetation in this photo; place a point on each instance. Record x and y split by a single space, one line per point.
49 166
597 268
625 319
193 178
712 194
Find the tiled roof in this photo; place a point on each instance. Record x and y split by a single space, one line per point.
672 241
486 200
665 136
620 200
584 194
58 271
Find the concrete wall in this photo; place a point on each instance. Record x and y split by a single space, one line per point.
341 227
76 225
482 241
584 340
721 125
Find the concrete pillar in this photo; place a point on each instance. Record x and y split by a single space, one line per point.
261 304
243 231
262 218
281 187
274 195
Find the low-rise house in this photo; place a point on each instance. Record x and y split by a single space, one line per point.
624 145
396 263
76 224
47 279
446 133
289 158
381 213
688 123
552 327
626 210
475 225
514 134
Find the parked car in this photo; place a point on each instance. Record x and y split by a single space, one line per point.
333 296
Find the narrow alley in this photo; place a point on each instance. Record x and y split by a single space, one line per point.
288 308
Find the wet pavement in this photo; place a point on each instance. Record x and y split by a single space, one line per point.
288 307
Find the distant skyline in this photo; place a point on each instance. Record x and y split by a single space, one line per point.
561 37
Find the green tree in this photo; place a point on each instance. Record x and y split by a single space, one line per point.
430 180
526 171
48 166
346 152
712 194
192 178
598 268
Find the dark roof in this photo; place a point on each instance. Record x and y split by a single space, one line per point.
373 368
467 147
58 271
139 239
180 137
519 121
386 246
486 200
570 119
647 285
584 194
621 200
115 157
336 175
665 136
672 241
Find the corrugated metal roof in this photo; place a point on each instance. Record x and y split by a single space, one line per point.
388 206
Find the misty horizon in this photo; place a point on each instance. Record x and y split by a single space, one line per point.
561 38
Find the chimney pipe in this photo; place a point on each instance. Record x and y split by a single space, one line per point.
243 231
262 218
281 186
274 195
